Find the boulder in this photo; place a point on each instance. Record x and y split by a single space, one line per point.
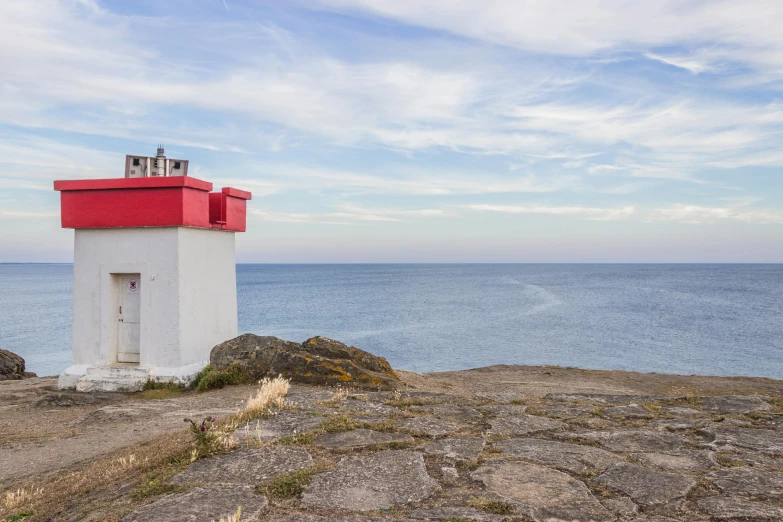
316 361
12 367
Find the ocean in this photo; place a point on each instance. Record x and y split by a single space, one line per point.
685 319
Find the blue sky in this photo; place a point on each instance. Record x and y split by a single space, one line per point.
411 131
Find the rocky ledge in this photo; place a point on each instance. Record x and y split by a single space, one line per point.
329 455
12 367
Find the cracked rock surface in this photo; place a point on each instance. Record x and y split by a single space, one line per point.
405 456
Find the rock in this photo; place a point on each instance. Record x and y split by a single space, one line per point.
735 404
12 367
541 493
316 361
449 473
682 411
364 408
379 481
569 457
68 399
621 506
679 424
507 397
454 513
202 504
764 441
524 425
300 517
249 466
460 449
359 439
429 426
450 412
748 481
644 486
728 421
683 460
565 410
653 518
736 509
630 440
601 398
504 409
631 411
280 425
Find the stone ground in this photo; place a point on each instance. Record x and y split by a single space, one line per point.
435 456
503 443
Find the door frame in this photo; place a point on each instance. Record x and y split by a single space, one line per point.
109 288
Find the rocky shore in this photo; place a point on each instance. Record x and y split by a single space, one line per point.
491 444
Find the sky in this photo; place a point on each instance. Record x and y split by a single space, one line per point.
409 130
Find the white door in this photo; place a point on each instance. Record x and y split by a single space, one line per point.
128 329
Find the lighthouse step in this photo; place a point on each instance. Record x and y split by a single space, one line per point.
116 377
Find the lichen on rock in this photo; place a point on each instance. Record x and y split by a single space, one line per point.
316 361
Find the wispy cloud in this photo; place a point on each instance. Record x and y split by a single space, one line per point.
594 213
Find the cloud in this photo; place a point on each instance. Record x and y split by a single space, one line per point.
749 31
348 214
696 214
593 213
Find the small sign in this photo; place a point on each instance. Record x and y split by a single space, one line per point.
133 286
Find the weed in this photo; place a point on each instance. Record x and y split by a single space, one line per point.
204 433
517 402
300 439
337 423
456 519
153 488
19 516
292 484
211 379
491 505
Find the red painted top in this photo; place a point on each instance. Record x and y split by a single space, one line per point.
151 202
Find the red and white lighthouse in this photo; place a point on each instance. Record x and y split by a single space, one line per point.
154 273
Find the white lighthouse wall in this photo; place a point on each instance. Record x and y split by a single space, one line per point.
208 292
187 291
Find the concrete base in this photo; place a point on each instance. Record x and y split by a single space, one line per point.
120 377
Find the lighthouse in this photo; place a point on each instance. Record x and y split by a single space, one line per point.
154 273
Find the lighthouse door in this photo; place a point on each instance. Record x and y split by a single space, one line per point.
128 329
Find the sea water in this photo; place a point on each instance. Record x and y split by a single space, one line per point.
687 319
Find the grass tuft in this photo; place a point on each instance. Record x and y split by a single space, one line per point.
270 394
292 484
337 423
154 488
234 517
491 505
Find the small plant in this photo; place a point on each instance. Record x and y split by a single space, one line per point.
337 423
153 488
204 433
337 397
293 484
211 379
304 438
19 516
491 505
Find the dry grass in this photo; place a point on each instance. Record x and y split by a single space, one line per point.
491 505
20 498
270 394
336 399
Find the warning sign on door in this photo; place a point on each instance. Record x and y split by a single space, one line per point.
133 285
